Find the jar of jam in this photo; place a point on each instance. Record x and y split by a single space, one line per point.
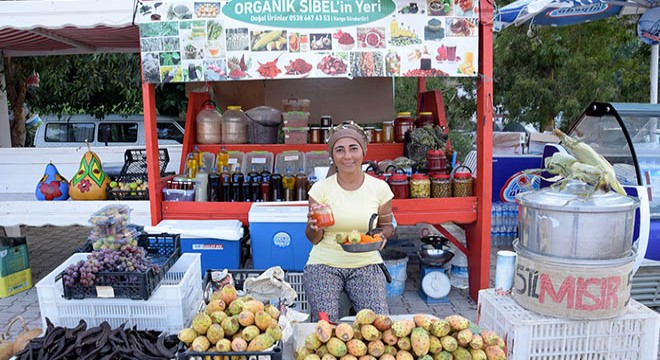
378 136
462 183
323 215
369 131
440 186
399 186
424 118
420 186
388 131
436 161
315 135
402 124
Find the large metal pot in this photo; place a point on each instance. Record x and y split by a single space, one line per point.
569 224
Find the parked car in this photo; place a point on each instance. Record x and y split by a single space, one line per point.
113 130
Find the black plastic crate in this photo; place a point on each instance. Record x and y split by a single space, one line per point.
274 353
114 194
163 250
135 162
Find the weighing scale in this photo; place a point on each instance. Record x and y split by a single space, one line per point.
434 284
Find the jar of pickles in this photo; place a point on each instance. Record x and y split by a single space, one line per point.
388 131
440 186
420 186
399 185
462 183
402 124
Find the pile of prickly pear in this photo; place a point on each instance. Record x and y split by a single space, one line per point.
229 323
374 336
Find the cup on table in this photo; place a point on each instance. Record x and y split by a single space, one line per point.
504 271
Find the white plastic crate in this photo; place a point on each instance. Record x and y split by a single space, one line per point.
295 279
531 336
171 306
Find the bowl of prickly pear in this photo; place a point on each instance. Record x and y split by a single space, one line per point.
356 242
357 248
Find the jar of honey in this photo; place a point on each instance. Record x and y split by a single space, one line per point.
315 135
402 124
424 118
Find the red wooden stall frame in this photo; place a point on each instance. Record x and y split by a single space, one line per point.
471 213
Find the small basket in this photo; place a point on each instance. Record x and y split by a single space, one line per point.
272 353
116 194
162 249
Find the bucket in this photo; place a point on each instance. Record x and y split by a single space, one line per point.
572 289
396 263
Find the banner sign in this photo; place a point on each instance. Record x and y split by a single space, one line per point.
189 41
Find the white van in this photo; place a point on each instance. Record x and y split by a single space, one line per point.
113 130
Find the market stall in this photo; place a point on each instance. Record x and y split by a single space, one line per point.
473 213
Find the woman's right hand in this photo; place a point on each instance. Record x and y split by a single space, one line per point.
311 220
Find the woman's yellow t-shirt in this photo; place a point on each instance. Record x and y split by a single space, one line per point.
352 211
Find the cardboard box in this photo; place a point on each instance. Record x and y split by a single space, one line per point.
537 142
13 255
508 143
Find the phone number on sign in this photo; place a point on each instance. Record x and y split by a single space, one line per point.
309 17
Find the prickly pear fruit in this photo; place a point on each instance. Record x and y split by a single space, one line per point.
311 357
365 317
464 337
201 323
443 355
419 340
354 237
423 321
344 332
235 307
218 316
312 342
246 318
200 344
425 357
215 333
250 332
389 338
493 352
489 337
323 330
404 343
187 335
404 355
390 350
301 352
382 322
461 354
478 354
328 357
367 357
369 332
261 342
356 347
322 351
272 311
434 345
336 347
376 348
228 294
348 357
215 295
230 325
253 306
356 331
449 343
501 344
239 344
214 305
275 331
477 341
387 357
457 322
400 329
440 328
223 345
262 320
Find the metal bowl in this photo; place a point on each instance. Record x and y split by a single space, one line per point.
435 257
358 248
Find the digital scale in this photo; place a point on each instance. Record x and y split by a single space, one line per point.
434 284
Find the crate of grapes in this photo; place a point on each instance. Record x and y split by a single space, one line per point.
131 272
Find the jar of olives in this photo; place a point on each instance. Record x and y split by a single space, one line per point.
440 186
420 186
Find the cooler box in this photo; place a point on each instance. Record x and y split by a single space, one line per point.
277 233
218 241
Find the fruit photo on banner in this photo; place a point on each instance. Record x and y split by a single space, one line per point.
90 182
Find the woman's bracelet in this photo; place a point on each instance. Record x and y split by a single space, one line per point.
384 215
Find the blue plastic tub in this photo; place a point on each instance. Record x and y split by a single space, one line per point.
396 263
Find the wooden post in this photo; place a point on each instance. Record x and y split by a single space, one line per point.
151 138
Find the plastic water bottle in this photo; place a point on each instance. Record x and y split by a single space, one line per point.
201 185
459 270
496 213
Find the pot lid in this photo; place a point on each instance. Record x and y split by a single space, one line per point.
574 198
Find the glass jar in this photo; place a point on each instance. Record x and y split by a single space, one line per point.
402 124
323 215
326 121
388 131
424 118
369 131
436 161
209 124
325 134
378 136
315 135
399 186
462 184
234 126
440 186
420 186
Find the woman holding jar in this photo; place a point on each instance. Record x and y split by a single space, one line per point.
353 197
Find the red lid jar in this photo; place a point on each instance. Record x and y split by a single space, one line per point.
402 124
462 183
399 186
436 161
424 118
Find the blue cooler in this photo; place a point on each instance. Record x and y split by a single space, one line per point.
219 241
277 235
